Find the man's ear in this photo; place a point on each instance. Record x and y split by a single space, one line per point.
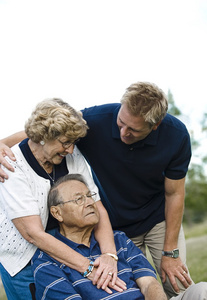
156 125
56 213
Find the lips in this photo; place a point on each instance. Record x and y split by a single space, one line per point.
62 155
92 212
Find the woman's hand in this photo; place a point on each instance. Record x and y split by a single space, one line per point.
5 151
104 274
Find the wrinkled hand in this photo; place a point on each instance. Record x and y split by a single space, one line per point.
104 266
174 268
5 151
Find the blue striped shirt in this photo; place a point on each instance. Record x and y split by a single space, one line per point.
54 280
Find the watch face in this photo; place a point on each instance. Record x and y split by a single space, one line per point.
176 253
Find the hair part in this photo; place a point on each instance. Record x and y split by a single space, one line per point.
53 118
147 100
54 197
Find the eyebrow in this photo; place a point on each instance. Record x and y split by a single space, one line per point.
80 194
136 130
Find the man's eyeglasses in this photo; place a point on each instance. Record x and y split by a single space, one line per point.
81 199
68 144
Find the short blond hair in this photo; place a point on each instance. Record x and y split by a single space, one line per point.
147 100
53 118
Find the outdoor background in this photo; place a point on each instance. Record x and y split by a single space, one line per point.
89 52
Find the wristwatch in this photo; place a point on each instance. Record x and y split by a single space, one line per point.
174 253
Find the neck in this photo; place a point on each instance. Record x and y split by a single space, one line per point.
77 235
37 151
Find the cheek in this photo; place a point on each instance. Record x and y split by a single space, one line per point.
72 216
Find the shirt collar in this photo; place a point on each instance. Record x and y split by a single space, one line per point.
72 244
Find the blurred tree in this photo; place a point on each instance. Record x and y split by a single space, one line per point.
196 181
204 122
172 108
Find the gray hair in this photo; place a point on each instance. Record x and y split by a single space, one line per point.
54 197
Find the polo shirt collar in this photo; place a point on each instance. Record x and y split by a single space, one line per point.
151 139
72 244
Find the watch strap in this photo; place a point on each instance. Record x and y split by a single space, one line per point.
174 253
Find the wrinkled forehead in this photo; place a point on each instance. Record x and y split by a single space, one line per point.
72 188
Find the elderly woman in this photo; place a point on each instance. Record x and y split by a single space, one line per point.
48 153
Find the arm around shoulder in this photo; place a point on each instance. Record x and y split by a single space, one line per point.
5 150
14 138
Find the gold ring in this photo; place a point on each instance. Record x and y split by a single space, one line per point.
184 272
110 273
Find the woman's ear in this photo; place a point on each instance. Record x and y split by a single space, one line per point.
56 213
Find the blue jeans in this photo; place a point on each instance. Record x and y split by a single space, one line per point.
17 287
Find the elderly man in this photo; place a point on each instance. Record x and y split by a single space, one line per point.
72 204
139 155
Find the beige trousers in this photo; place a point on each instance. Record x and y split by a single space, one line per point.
196 291
154 240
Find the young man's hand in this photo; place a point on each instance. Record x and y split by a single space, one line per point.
5 151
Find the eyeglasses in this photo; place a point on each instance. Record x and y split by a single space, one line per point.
68 144
81 199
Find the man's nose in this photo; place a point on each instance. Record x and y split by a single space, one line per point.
124 131
89 201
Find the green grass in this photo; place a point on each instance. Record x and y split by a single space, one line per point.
197 258
196 243
195 230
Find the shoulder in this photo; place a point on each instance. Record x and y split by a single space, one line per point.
75 158
173 123
99 110
20 161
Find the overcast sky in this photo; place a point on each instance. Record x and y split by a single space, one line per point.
88 52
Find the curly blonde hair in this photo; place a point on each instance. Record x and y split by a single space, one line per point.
147 100
53 118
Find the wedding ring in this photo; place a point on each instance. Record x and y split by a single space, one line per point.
110 273
184 272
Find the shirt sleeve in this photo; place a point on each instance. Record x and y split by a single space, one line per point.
178 166
50 281
16 194
137 260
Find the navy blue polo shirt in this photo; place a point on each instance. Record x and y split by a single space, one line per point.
54 280
131 177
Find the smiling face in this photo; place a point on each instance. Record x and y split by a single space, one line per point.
132 128
54 152
73 215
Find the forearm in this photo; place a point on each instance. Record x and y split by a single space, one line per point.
14 138
154 291
173 217
174 207
32 230
103 231
61 252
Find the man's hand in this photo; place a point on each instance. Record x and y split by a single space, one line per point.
174 268
5 151
104 274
